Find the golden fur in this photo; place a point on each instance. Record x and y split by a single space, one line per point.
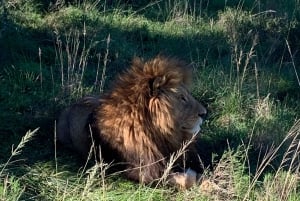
141 121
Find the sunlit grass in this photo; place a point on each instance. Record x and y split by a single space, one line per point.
245 72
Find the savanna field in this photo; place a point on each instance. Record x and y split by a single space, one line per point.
245 56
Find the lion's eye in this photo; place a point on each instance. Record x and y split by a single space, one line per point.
183 98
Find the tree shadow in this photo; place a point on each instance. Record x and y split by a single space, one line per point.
20 45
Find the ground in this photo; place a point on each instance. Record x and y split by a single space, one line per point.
246 60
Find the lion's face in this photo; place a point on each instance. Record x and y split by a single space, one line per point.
176 109
188 112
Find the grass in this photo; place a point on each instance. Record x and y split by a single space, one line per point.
245 55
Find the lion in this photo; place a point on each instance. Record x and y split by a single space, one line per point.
146 117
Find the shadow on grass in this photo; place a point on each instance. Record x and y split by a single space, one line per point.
25 105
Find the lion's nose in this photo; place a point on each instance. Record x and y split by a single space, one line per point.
203 114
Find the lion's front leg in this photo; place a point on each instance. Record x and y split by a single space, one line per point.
145 173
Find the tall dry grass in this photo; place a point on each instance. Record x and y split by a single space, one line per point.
10 185
231 178
72 56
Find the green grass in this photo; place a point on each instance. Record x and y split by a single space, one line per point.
246 61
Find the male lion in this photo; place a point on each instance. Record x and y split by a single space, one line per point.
146 116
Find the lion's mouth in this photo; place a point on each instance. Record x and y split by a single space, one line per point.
195 129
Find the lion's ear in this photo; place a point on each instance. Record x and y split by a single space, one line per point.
156 85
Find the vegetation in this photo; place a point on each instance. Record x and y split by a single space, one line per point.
246 60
